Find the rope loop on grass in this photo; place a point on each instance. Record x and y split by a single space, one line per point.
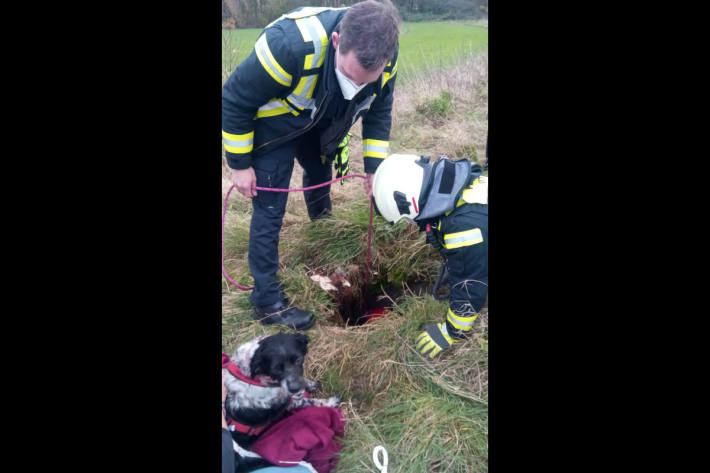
375 458
273 189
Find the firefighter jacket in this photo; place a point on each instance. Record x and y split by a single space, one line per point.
283 89
461 236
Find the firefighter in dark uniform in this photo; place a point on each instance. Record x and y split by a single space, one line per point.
451 197
312 74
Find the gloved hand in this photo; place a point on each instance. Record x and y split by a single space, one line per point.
433 240
341 161
434 339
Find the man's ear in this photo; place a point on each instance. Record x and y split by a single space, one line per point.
336 39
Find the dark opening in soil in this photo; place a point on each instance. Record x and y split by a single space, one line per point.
356 307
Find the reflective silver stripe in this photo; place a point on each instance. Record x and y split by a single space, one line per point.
453 240
465 326
317 45
461 322
264 54
365 105
301 100
381 149
450 241
271 105
239 144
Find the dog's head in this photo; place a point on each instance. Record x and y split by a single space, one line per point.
281 357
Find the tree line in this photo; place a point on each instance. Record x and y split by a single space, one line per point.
259 13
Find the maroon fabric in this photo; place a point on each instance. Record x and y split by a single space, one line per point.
306 434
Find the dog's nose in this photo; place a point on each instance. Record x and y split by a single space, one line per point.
293 387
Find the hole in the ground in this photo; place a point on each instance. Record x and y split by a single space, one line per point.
358 305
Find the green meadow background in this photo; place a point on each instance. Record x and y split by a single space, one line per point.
423 45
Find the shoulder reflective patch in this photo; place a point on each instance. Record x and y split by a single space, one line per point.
238 144
312 31
477 192
388 75
375 148
269 63
310 11
459 239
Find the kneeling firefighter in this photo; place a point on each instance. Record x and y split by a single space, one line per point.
450 197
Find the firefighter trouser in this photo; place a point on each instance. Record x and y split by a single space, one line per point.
465 241
274 169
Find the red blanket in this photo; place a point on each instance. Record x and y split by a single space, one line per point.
306 434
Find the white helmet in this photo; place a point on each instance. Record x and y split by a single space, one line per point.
397 185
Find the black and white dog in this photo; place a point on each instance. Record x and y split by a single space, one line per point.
264 380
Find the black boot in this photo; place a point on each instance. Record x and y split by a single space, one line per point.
281 313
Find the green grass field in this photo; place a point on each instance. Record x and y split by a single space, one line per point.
423 46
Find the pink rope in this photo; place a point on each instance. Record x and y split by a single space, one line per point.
271 189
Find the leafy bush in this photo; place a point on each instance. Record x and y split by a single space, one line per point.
437 107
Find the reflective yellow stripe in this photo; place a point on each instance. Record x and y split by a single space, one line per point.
434 352
312 31
388 75
323 36
231 137
459 239
269 63
301 85
375 142
374 154
304 30
301 95
309 94
375 148
238 144
238 150
309 11
445 333
422 339
306 11
477 192
460 322
275 107
272 113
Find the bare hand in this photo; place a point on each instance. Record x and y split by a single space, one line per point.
367 184
224 398
224 389
245 181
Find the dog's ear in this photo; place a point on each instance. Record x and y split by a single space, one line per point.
302 341
258 363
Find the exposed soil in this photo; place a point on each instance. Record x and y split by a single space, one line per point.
356 306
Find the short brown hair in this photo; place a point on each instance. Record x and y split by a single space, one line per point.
370 28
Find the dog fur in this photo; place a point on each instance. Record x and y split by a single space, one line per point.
277 362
